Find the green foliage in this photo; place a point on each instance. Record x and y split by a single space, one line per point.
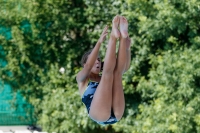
171 95
45 36
159 26
161 87
163 78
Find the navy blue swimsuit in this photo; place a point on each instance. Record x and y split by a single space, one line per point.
87 99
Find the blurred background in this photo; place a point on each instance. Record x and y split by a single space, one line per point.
41 45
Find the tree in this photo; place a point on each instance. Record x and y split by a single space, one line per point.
162 79
161 87
47 36
172 92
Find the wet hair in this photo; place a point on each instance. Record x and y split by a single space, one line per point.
85 57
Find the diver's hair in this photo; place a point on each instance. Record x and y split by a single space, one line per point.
85 57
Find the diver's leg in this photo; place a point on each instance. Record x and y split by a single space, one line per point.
118 102
128 53
100 109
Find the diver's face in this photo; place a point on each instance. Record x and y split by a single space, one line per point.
96 69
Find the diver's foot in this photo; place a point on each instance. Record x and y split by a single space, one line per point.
115 23
123 27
